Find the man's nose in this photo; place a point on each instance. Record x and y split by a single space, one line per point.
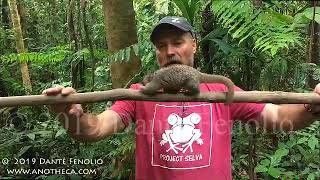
170 50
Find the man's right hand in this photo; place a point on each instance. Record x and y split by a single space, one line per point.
69 109
84 126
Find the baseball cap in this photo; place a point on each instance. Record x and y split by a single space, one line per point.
176 21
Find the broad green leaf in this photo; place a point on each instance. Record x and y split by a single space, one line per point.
23 150
311 177
297 157
283 67
281 152
62 131
302 140
306 171
274 172
302 151
193 8
44 133
265 162
276 158
309 14
260 168
225 47
315 166
213 34
183 6
31 136
291 143
313 142
300 20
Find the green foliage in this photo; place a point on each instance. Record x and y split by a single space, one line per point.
188 8
124 54
270 30
295 157
55 54
270 166
6 41
308 13
275 69
146 19
277 30
231 43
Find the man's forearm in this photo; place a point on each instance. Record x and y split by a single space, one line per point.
83 127
90 127
294 117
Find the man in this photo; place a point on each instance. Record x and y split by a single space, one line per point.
180 140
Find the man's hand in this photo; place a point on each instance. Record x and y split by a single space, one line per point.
314 108
70 109
84 126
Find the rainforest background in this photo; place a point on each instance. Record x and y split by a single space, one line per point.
260 44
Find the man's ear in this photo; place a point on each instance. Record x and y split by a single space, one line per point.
194 45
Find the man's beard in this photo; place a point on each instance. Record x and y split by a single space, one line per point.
173 60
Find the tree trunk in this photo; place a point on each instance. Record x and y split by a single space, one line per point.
82 44
88 40
54 21
123 71
33 30
121 33
207 27
3 89
5 21
78 26
120 24
1 12
71 27
74 43
19 43
252 159
314 44
23 21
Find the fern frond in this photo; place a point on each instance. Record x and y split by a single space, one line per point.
272 31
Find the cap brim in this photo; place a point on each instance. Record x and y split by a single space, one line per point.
158 27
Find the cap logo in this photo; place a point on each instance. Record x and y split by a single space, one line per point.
175 20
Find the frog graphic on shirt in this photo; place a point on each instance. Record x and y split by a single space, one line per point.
183 133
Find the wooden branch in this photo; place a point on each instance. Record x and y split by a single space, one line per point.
276 97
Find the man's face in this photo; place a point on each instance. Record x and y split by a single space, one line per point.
174 46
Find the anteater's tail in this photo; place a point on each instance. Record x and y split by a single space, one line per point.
209 78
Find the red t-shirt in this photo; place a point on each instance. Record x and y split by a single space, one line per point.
184 140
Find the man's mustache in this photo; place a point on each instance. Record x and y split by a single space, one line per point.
173 60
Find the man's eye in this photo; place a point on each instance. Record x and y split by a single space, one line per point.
160 46
178 43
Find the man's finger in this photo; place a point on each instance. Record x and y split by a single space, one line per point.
76 109
317 88
68 90
53 91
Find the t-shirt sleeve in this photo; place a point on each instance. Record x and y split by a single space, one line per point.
245 111
126 108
